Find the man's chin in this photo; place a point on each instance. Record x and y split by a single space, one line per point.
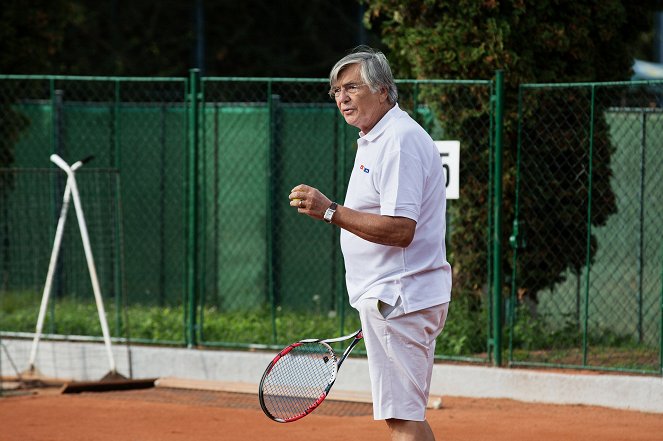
350 120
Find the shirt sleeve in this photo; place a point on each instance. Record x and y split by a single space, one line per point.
400 182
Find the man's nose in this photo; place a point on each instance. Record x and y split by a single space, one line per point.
344 95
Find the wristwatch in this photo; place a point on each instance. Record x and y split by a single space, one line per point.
330 212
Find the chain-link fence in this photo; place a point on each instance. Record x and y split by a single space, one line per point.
196 243
589 236
187 205
136 129
278 271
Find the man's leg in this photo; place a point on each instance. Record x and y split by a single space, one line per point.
403 430
400 350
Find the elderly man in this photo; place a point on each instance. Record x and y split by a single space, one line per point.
392 237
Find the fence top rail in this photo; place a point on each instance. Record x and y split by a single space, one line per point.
223 79
91 78
326 80
591 84
638 110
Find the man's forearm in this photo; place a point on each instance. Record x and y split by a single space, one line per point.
384 230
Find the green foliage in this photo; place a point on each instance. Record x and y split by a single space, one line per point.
18 312
244 327
554 179
465 334
12 123
537 338
163 324
144 37
531 332
532 41
33 37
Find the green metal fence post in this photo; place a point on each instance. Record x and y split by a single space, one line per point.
57 139
660 329
497 225
192 212
641 224
515 240
489 218
204 186
588 259
116 162
272 104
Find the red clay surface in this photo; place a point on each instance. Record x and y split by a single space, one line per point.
161 414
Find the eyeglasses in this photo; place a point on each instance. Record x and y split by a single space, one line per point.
350 89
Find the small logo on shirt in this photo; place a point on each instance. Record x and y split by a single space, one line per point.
364 169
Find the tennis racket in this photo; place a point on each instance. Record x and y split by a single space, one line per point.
299 378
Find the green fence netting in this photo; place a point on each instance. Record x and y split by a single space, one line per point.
588 262
186 202
196 244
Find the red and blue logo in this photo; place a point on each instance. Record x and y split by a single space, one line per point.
364 169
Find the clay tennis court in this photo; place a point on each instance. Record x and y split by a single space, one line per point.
164 414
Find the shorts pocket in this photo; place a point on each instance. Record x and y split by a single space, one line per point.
386 310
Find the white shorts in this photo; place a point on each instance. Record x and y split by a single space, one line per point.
400 350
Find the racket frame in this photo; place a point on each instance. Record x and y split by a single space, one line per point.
357 335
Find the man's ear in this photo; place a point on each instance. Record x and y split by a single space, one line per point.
384 94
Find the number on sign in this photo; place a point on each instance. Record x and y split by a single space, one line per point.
450 157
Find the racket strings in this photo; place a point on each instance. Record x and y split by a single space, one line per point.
298 380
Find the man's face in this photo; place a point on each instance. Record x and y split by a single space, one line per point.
363 108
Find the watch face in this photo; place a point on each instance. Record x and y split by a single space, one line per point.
330 212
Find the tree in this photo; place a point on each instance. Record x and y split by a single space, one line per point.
532 41
159 38
148 38
33 34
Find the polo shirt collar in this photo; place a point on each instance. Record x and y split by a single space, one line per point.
381 125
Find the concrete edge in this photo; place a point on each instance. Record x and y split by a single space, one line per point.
242 370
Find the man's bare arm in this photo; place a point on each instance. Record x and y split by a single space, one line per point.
376 228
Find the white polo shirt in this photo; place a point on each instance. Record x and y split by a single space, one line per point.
398 172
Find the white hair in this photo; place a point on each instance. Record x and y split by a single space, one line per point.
374 69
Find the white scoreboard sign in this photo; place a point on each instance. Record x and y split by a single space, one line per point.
450 156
